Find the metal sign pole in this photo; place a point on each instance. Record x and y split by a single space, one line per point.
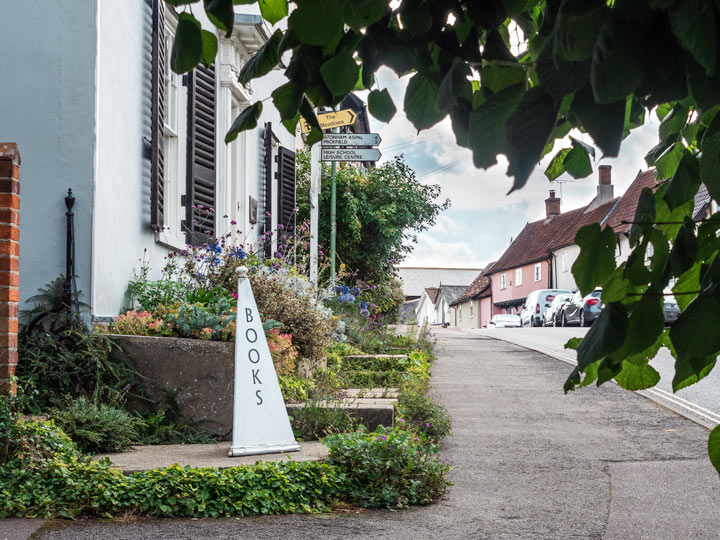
333 215
315 172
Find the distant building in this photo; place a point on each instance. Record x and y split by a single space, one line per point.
416 279
473 308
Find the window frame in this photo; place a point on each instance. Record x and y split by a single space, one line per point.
537 274
174 146
503 281
518 276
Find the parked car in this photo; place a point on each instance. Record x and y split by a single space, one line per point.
505 321
582 310
550 318
671 310
536 303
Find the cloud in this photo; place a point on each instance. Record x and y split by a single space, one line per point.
482 217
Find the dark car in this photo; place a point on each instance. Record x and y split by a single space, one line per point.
582 311
671 311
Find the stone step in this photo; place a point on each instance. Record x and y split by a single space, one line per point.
371 412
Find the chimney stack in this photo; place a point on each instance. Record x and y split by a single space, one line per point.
605 190
552 205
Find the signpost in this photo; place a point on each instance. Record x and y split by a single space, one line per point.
330 120
351 139
350 154
260 421
337 147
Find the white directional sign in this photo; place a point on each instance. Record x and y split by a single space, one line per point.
350 154
260 421
351 139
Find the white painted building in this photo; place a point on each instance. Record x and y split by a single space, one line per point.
426 312
94 107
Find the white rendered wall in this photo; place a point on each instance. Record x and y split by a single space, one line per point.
563 278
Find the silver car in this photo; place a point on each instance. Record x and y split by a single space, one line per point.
505 321
551 317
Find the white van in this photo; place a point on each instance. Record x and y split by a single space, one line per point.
533 310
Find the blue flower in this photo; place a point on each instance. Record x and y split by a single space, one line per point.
338 289
217 248
356 291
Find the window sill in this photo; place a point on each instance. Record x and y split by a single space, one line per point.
169 240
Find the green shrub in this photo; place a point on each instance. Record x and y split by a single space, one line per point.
164 427
72 363
294 388
34 440
372 379
310 327
316 419
420 414
97 428
388 468
47 476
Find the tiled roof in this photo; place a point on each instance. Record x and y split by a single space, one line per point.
538 238
432 293
478 288
451 292
415 279
625 211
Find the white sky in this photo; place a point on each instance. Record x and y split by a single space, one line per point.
482 218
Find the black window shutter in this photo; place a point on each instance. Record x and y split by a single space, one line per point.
200 200
267 194
157 172
286 190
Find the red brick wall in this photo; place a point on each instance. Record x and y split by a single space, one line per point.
9 261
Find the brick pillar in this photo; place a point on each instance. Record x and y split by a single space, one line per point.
9 261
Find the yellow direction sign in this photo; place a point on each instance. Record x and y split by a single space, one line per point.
330 120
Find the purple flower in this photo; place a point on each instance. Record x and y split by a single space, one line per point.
384 437
233 222
389 447
280 227
427 424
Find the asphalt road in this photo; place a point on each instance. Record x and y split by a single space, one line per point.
700 401
528 463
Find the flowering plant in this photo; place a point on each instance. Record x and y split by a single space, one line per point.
283 353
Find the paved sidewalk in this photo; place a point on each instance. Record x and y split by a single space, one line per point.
529 462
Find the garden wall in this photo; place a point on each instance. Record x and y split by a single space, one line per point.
191 375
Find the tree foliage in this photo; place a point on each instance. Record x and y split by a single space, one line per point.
514 76
379 213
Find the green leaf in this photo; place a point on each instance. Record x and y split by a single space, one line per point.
673 122
187 49
221 14
340 74
575 35
694 334
273 10
645 324
263 61
381 105
577 162
710 164
591 374
633 377
604 123
488 125
668 162
287 99
684 249
454 86
685 182
416 17
247 119
556 166
560 77
420 98
686 283
573 343
596 261
497 78
605 336
704 90
528 130
714 448
317 22
614 74
362 13
693 23
209 47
